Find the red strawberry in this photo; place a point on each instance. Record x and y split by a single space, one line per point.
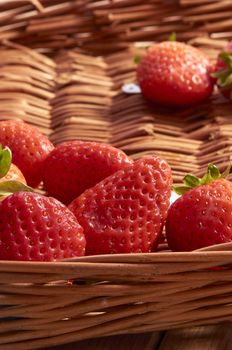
224 71
175 74
125 212
202 216
29 148
35 227
74 166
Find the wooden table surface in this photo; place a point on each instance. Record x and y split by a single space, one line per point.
198 338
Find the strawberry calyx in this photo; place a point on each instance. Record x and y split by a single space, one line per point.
137 58
9 187
190 181
5 160
224 76
172 36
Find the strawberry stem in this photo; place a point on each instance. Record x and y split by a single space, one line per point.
226 57
172 37
190 181
224 76
137 59
5 160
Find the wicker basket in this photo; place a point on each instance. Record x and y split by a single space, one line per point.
55 303
63 64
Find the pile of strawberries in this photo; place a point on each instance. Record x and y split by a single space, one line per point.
99 201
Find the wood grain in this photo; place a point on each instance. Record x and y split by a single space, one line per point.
108 26
217 337
199 338
146 341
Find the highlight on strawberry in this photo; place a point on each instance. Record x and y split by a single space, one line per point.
201 217
172 73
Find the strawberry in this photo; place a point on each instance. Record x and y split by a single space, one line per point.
74 166
29 148
202 215
223 71
125 212
175 74
39 228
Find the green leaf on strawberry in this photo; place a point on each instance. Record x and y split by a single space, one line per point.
226 57
201 217
172 37
137 59
190 181
5 160
223 72
9 187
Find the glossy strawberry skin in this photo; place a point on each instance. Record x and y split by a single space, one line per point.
175 74
125 212
38 228
74 166
201 217
29 148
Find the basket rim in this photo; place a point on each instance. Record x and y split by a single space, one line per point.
218 252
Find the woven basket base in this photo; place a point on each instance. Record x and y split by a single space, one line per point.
54 303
